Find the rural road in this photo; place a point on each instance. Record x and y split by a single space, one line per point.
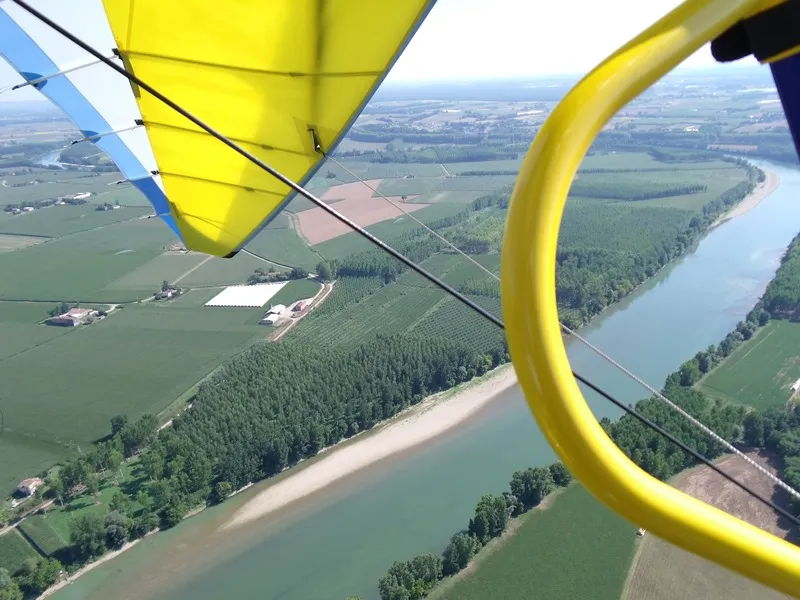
8 528
326 290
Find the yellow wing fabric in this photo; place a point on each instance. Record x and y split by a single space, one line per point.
262 73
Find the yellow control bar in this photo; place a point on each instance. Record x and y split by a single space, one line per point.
531 315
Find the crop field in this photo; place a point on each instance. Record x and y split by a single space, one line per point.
137 360
717 179
409 187
437 196
452 320
82 266
54 184
15 242
14 551
298 289
20 337
576 548
27 455
47 537
662 571
54 221
623 160
353 242
169 266
366 170
279 221
512 164
283 246
477 183
195 298
360 308
391 309
347 145
761 371
219 272
317 226
351 191
347 292
125 194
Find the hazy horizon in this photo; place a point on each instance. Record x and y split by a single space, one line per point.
478 40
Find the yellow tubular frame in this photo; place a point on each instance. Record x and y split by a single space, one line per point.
529 305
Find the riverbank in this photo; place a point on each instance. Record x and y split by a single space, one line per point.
763 189
434 416
67 580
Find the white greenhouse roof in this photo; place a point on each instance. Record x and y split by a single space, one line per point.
246 295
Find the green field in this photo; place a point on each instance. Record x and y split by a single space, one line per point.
83 266
576 548
170 266
55 221
299 289
137 360
60 183
11 242
761 371
49 533
14 551
283 246
20 327
23 455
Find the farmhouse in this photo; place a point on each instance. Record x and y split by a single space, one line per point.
276 310
71 318
299 306
166 294
28 487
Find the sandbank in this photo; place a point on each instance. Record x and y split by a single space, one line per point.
432 417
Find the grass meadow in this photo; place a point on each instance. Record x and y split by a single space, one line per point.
760 372
14 551
575 548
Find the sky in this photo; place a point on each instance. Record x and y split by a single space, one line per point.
468 39
484 39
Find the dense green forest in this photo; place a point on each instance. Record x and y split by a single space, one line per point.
782 297
264 412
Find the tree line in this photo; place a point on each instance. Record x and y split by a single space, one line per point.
414 579
263 412
272 274
625 192
782 297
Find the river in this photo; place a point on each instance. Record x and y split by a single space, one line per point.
339 541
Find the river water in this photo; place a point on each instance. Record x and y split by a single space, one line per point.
339 541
